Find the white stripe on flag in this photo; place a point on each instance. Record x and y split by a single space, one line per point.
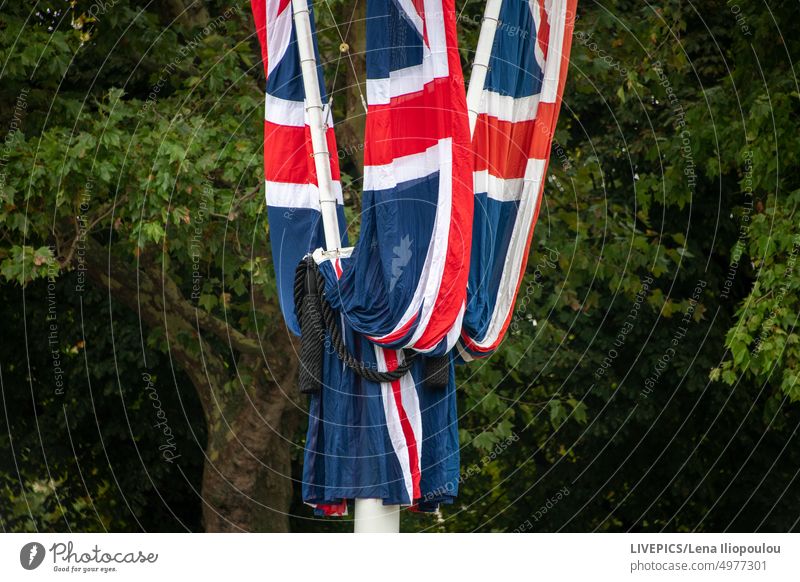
404 169
555 50
279 31
289 113
291 195
507 108
401 82
395 427
500 189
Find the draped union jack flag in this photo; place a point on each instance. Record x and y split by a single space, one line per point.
517 117
417 183
293 208
427 272
405 284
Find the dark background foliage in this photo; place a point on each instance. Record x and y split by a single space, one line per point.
650 378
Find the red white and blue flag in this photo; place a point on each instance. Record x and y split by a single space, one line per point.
517 117
425 274
293 207
405 284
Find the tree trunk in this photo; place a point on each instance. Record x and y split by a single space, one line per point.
248 408
247 482
351 129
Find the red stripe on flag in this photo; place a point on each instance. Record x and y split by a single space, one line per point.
543 128
287 154
419 6
259 8
405 424
395 335
502 147
333 509
397 129
543 34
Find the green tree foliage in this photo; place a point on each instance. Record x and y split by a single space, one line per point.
135 169
649 379
81 447
632 392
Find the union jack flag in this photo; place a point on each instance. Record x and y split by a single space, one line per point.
293 207
517 117
411 281
405 284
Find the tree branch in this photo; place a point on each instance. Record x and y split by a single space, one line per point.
212 324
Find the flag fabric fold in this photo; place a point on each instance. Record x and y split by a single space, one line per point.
516 121
405 284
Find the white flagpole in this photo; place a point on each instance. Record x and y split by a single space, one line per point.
322 162
371 516
480 65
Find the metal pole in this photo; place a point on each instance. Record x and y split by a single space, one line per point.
371 516
319 142
481 63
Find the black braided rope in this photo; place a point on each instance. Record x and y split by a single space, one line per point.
437 371
312 335
316 318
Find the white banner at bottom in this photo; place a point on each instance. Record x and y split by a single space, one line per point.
382 558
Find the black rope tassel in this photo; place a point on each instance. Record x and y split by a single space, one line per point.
318 319
437 371
311 330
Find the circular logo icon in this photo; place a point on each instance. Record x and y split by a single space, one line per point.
31 555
